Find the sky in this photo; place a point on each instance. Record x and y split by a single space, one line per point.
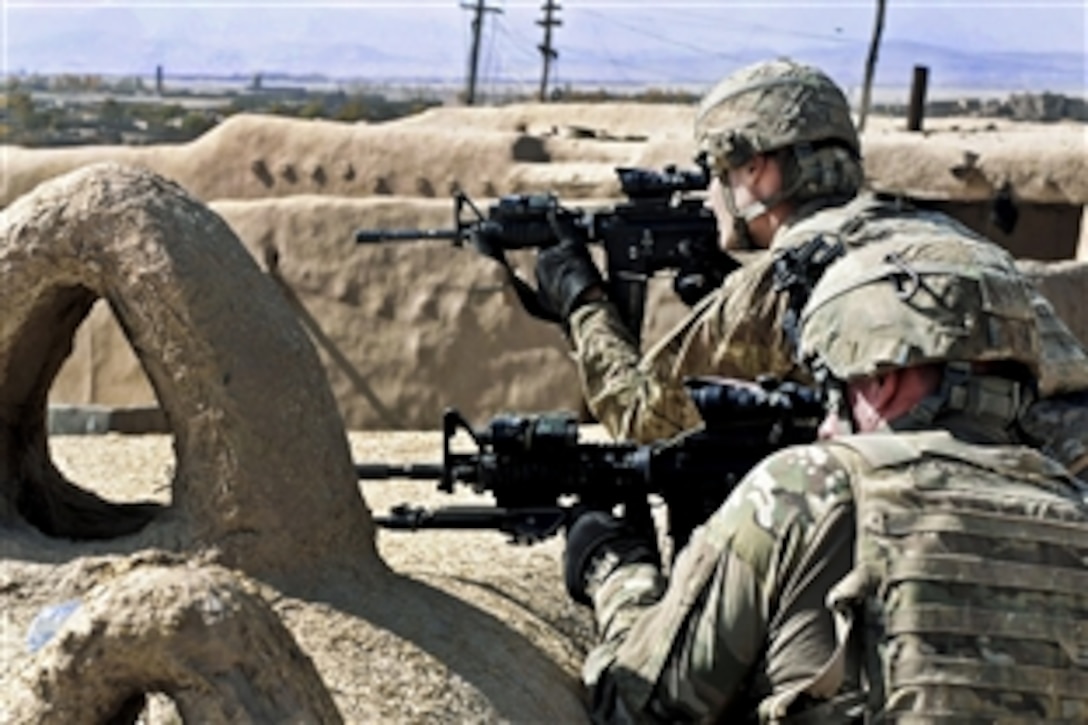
1017 45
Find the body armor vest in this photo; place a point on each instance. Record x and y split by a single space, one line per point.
970 588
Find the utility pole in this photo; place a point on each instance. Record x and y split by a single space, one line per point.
870 64
479 8
546 50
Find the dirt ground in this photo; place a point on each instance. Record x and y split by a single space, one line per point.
233 565
363 667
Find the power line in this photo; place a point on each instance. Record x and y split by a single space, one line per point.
496 63
657 36
516 42
737 27
490 65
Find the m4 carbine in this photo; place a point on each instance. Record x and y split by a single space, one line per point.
657 228
538 472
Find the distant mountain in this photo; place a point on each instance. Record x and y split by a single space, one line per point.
959 70
432 47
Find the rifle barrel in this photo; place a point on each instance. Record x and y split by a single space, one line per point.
413 518
377 236
524 525
416 471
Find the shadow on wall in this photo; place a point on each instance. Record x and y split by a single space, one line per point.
1046 232
404 330
333 353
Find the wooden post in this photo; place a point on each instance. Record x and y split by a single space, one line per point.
546 50
917 110
870 65
474 59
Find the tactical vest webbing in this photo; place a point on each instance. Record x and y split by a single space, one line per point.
1060 426
805 250
971 583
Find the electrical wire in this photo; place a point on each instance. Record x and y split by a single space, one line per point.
733 24
518 43
659 37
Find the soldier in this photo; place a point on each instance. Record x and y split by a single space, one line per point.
928 566
787 178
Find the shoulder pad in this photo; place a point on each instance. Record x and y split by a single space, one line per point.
881 450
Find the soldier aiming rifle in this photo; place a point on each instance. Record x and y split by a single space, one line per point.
660 227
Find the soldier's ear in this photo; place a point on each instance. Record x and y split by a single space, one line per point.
876 393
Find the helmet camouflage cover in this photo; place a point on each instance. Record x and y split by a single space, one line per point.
899 303
771 105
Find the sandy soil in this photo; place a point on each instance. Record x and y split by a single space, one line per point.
520 585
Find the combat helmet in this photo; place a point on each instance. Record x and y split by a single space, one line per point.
919 299
771 105
782 104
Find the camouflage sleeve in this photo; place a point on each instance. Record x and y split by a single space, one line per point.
1064 367
743 611
1058 421
734 332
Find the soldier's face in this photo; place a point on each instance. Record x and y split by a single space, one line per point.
737 200
716 202
745 183
733 233
867 398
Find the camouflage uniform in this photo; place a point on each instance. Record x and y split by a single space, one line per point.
935 570
745 629
738 330
743 617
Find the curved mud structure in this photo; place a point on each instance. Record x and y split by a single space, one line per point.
200 635
258 582
254 423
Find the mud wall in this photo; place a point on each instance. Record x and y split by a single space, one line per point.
405 329
1045 232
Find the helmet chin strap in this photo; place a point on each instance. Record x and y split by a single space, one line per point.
836 401
741 237
997 401
990 402
757 208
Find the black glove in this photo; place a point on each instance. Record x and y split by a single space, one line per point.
565 271
701 274
694 286
598 543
